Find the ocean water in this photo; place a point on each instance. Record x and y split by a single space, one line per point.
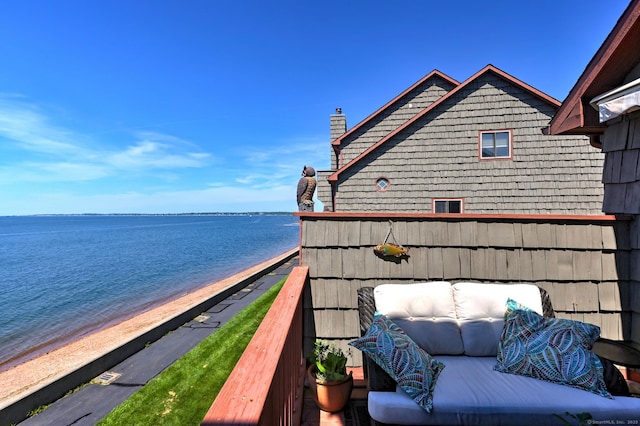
62 277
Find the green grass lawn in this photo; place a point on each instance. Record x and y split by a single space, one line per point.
182 394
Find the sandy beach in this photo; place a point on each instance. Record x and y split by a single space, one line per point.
30 376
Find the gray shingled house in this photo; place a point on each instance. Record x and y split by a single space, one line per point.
443 146
530 205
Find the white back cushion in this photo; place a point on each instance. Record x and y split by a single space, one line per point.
480 309
425 311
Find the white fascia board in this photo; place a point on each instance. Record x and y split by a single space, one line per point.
619 101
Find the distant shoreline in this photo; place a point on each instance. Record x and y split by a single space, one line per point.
156 214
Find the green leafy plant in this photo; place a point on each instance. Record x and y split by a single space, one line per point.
330 361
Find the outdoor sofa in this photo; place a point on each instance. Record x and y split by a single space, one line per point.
445 368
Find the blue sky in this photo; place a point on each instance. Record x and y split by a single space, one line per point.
137 106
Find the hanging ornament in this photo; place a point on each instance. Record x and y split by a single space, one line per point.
390 249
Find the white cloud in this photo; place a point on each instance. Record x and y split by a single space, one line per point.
45 168
149 154
300 148
45 152
56 172
284 162
30 130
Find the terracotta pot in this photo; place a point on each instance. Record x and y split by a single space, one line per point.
330 396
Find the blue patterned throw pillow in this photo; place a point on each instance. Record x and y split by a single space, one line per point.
409 365
555 350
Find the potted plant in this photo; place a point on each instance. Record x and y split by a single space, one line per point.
328 379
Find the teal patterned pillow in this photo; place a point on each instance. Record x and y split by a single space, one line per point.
396 353
555 350
512 305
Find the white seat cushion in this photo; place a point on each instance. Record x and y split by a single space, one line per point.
469 392
480 311
426 312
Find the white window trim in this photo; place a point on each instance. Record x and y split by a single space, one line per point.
433 204
386 179
509 157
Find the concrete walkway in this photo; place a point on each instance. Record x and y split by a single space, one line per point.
117 381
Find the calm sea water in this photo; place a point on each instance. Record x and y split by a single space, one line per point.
64 276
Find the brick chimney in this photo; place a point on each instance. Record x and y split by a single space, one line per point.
338 127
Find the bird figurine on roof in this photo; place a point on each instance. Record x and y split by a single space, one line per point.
306 188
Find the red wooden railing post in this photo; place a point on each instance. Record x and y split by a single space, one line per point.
265 387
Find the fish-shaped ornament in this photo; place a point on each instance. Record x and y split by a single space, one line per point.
389 249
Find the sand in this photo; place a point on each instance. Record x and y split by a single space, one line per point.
23 379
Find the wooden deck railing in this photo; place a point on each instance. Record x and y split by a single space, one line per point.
265 387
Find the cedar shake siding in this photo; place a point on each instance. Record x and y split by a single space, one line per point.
621 174
390 118
347 145
616 63
436 156
621 177
584 262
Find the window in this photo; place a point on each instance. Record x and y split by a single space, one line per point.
382 184
447 206
495 144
